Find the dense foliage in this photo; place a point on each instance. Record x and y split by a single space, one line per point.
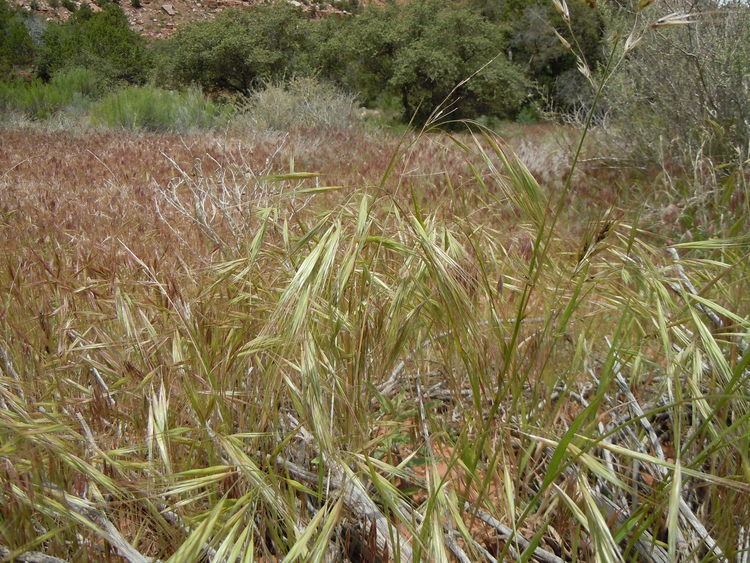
69 90
237 49
16 47
417 54
535 46
684 84
684 91
101 41
405 58
154 109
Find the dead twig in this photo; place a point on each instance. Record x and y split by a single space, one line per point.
685 511
29 556
102 525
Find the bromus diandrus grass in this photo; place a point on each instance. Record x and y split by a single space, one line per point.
359 374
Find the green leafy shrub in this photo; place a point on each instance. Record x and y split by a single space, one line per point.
102 42
154 109
236 50
16 46
302 102
528 114
418 53
69 5
34 99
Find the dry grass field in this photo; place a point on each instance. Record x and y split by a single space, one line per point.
348 345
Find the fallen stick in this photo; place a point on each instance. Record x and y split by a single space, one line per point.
688 285
645 546
449 541
104 526
30 556
357 500
743 545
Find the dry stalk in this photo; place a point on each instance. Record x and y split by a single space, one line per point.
104 525
30 556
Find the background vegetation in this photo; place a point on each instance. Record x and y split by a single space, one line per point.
402 59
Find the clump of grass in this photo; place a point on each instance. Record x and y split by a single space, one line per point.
154 109
302 102
71 91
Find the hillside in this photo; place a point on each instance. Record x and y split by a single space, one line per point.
158 18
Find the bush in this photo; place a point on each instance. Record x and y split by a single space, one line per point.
154 109
16 46
71 90
416 54
102 42
535 45
236 50
79 81
301 102
684 90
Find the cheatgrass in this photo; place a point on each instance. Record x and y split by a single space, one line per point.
345 374
299 103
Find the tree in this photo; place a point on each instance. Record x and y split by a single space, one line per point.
237 49
416 54
534 43
16 46
102 42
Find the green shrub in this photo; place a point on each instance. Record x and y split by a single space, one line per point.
301 102
528 114
684 91
36 99
16 46
69 5
418 53
102 42
236 50
78 81
154 109
72 90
